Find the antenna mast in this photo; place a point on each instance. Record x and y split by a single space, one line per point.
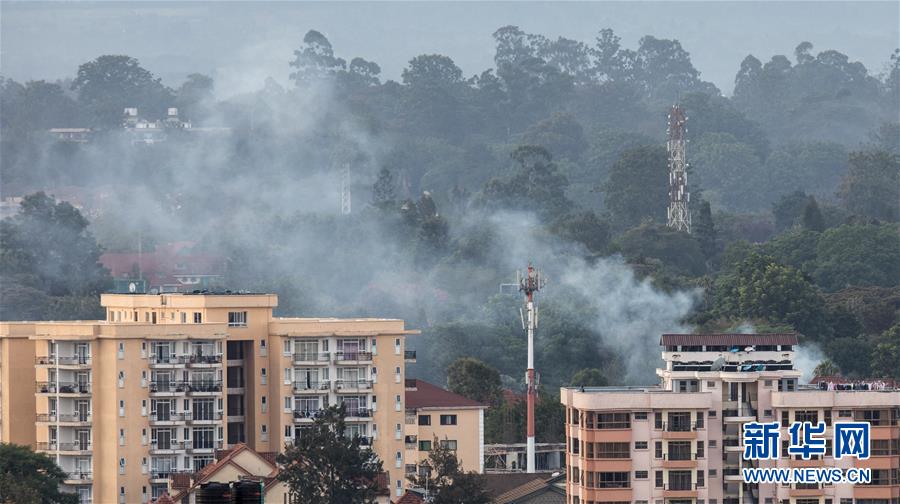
529 284
345 190
679 215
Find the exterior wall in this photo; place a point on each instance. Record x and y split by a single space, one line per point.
469 447
130 323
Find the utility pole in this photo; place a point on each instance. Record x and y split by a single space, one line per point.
529 284
679 214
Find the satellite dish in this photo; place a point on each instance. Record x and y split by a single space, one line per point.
132 287
717 364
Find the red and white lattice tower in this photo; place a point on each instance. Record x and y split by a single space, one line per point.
530 283
679 214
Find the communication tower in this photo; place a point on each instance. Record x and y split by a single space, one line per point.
530 283
679 214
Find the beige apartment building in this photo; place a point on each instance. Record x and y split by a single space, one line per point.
681 442
154 390
437 415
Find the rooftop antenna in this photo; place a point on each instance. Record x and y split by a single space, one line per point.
346 202
530 283
679 215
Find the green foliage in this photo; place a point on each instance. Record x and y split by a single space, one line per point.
637 187
871 187
812 216
109 84
536 185
704 230
759 287
588 377
796 248
679 252
27 477
472 378
446 482
729 172
851 355
827 368
586 228
384 191
886 354
325 466
788 209
561 135
858 255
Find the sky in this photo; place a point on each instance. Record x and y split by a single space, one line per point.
240 44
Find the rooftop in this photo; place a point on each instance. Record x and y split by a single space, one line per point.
426 395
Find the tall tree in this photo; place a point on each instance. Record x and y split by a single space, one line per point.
704 231
445 481
384 191
637 187
315 60
812 216
474 379
326 466
110 83
871 187
536 185
27 477
886 354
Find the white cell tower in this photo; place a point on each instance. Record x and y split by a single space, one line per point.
346 202
679 214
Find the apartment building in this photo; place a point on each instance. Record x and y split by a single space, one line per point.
681 441
154 390
437 415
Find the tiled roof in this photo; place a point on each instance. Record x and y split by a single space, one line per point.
410 498
427 395
728 339
500 483
164 499
224 457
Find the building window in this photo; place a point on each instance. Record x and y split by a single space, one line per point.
641 475
767 383
659 479
448 419
612 450
699 419
424 419
701 452
613 421
767 413
700 479
449 444
237 319
184 317
640 445
658 450
613 480
713 443
640 415
712 414
198 318
424 445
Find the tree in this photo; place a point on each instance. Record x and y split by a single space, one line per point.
27 477
764 289
827 368
445 481
536 186
871 187
325 466
637 187
560 134
704 231
886 354
315 60
679 252
472 378
860 255
812 216
789 209
194 96
109 84
384 191
588 377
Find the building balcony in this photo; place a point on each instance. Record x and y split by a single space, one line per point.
74 448
732 474
203 360
196 419
409 355
205 387
69 419
880 492
312 358
208 448
679 430
166 361
165 448
346 386
679 461
168 418
359 413
687 491
68 388
198 387
365 440
739 415
168 388
306 416
342 357
70 362
79 478
316 387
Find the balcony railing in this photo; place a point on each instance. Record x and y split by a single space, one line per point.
63 417
322 357
308 414
73 360
64 388
188 386
171 445
215 445
359 412
343 356
681 426
210 417
679 456
352 384
186 359
168 417
680 487
71 446
364 440
79 476
409 355
744 411
303 386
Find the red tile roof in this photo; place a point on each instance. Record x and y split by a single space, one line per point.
164 499
410 498
427 395
728 339
225 457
